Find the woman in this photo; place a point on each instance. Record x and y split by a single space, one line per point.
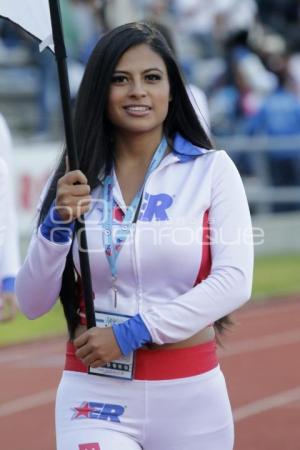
3 204
152 191
10 260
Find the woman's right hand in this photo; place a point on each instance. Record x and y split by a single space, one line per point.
72 196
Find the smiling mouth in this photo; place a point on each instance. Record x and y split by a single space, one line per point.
137 108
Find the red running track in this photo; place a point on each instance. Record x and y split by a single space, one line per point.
260 359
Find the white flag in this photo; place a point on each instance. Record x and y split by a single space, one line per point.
32 15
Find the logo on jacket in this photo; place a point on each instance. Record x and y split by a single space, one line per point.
89 446
98 411
154 207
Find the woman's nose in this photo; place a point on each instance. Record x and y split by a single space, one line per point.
137 89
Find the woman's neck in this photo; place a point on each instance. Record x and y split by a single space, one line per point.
136 148
133 156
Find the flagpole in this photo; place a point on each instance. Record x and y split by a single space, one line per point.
61 57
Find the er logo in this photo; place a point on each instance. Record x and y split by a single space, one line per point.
155 206
90 446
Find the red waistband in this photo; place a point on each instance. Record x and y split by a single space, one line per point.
158 364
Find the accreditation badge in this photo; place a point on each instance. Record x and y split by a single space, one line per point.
122 367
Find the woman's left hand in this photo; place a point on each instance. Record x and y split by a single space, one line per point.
97 346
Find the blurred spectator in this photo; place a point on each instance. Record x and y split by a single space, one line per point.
119 12
237 100
233 17
245 85
279 117
283 16
159 11
24 57
196 18
205 21
294 72
3 206
10 260
196 95
83 19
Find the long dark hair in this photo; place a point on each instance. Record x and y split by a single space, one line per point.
93 131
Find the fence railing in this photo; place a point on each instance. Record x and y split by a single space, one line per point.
261 192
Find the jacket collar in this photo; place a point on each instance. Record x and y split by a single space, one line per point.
185 150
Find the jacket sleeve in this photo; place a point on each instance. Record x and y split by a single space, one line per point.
38 281
230 281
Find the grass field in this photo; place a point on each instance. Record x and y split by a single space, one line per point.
276 275
273 276
22 329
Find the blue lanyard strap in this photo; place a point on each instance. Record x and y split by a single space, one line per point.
113 246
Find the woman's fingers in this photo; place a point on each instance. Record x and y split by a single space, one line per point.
97 346
81 340
73 208
83 352
91 359
75 176
72 196
89 356
79 190
74 189
97 363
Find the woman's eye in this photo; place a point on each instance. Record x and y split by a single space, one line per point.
153 77
119 79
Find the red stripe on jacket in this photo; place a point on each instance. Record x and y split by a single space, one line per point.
205 266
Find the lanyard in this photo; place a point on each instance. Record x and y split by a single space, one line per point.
113 242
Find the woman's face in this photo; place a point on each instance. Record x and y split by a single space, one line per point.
139 93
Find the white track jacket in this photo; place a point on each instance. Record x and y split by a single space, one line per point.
188 259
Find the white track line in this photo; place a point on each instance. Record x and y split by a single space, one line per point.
24 403
261 343
266 404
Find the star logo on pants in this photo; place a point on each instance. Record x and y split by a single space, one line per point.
82 411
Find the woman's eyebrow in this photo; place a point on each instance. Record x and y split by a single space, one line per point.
144 71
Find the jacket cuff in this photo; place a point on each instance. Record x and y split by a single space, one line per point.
55 229
131 335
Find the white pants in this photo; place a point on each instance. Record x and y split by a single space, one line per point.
99 413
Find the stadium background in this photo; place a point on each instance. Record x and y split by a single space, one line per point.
245 56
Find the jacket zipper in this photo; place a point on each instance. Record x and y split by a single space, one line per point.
139 290
134 238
